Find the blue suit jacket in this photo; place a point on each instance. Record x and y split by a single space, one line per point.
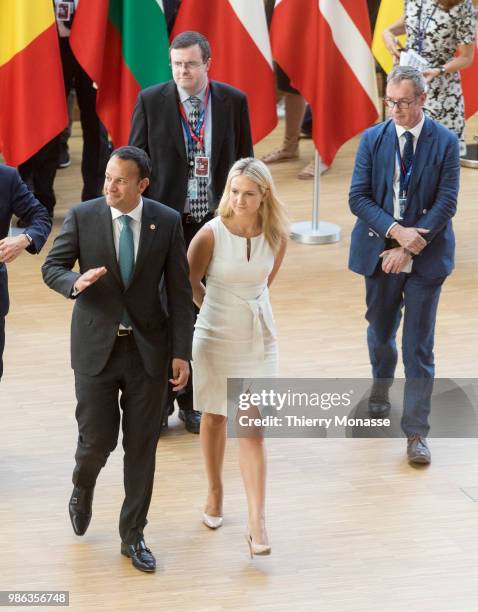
431 201
15 198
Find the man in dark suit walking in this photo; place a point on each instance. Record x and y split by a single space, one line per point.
16 199
194 130
125 245
404 192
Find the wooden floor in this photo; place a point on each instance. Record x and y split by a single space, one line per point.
353 527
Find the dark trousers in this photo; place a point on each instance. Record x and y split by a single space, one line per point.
39 173
387 295
2 343
95 138
98 416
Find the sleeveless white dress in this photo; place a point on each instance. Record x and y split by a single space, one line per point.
235 332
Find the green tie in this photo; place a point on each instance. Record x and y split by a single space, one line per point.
126 258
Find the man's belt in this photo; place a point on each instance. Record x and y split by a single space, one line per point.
124 332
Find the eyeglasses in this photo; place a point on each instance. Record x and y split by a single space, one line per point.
187 65
399 103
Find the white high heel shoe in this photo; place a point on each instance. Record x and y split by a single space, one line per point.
260 550
213 522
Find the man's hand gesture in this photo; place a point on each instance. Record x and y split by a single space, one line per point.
88 278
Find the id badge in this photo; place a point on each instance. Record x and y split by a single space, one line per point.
402 203
201 166
64 11
192 189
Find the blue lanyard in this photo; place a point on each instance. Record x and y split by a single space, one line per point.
405 176
422 27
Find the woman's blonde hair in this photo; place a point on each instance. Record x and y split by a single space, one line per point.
274 219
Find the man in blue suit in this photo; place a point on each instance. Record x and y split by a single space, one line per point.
15 198
404 192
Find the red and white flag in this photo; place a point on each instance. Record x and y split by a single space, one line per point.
240 51
324 48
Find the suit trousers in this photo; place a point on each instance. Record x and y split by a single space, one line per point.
2 343
387 295
95 138
39 172
98 415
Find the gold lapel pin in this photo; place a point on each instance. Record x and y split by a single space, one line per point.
152 226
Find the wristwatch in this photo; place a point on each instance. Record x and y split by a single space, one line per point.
442 70
29 238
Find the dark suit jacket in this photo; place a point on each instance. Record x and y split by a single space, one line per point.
156 128
431 201
15 198
87 237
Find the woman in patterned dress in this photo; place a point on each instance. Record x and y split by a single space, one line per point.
442 32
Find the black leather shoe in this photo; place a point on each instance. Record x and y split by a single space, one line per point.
417 450
164 421
80 509
142 558
167 412
379 403
192 420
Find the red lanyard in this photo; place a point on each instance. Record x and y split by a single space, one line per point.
190 133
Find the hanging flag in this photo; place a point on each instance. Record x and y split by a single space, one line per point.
123 46
324 48
32 91
389 12
240 51
469 83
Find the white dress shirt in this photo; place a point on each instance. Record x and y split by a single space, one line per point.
416 131
135 225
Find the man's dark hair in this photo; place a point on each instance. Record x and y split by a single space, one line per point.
138 156
188 39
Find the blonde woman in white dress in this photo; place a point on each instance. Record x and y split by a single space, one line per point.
239 253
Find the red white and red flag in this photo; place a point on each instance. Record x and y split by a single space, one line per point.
324 48
240 51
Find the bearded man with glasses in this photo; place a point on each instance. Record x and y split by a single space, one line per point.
404 193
